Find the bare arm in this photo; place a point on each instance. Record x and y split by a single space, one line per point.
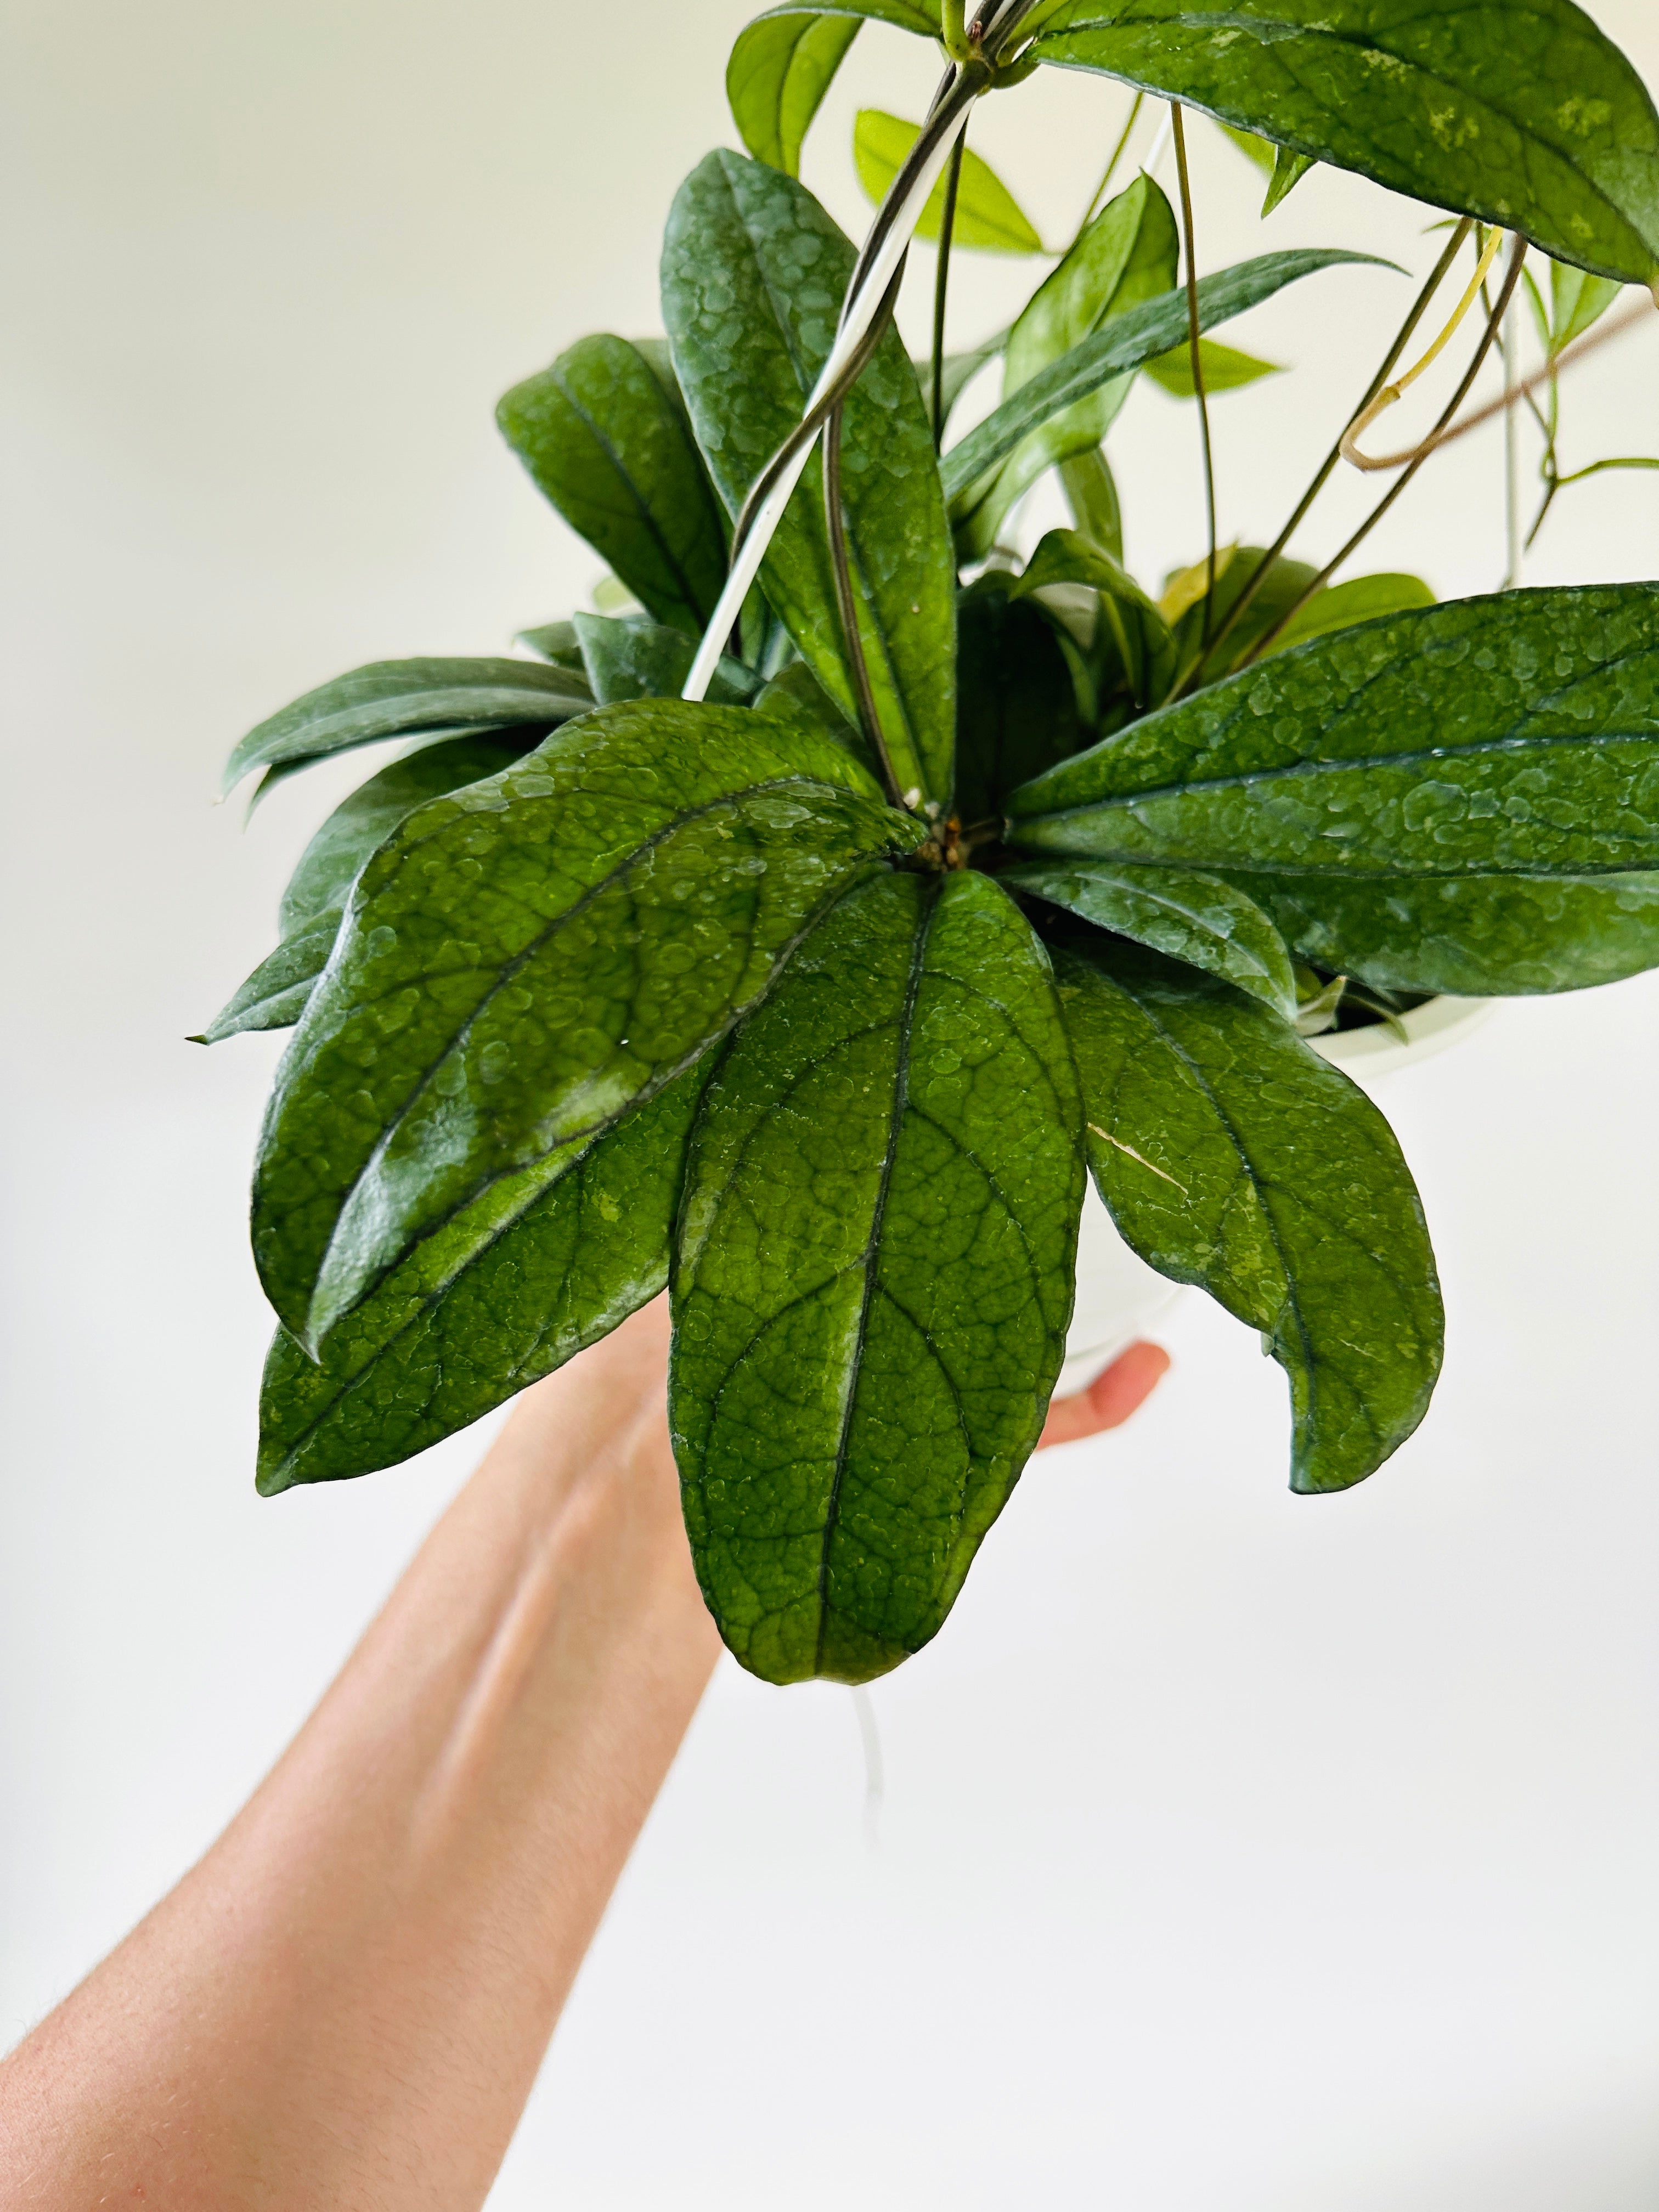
345 2003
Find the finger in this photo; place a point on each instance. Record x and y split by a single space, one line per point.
1110 1399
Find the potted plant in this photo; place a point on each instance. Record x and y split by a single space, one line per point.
806 937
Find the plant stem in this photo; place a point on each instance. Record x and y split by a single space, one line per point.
1243 604
941 281
1430 445
847 606
1195 351
1111 170
1512 546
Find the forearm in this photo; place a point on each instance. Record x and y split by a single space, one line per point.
347 2001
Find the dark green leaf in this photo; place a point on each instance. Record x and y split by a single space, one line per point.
1017 707
1477 937
544 1264
609 445
274 996
1225 370
1126 344
525 960
631 657
798 700
988 215
1526 117
559 643
1125 257
1209 923
873 1275
754 273
396 698
1518 734
1145 644
785 62
1233 1156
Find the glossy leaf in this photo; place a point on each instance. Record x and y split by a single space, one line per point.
528 959
1225 370
1232 1156
1529 117
754 273
1135 338
796 698
873 1275
274 997
604 440
1202 920
1145 644
785 62
397 698
1477 937
631 657
988 215
1125 257
1016 711
1518 734
1362 598
543 1265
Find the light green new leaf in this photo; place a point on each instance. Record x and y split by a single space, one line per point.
1477 937
754 273
274 996
1362 598
606 440
987 213
631 657
1232 1156
1282 168
1512 735
1577 302
397 698
1202 920
785 62
1017 710
527 959
1225 370
1125 344
543 1265
873 1275
1127 256
1527 117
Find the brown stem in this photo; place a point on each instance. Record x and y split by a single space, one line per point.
947 230
1195 351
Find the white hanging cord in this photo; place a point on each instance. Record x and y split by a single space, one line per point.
860 310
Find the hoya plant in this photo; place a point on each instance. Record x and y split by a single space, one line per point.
800 933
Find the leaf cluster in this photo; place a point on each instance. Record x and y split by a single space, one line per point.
596 989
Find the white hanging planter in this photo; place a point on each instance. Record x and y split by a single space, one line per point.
1120 1298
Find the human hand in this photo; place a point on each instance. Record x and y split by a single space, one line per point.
1110 1400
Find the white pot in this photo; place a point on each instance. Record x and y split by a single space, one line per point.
1120 1298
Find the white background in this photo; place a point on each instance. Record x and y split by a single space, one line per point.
1237 1849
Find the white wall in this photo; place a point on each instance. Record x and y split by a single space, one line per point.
1237 1849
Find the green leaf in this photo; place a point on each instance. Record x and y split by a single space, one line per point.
751 328
1126 344
796 699
1512 735
873 1275
1145 642
1232 1156
1477 937
988 215
631 657
608 444
1016 708
1225 370
785 62
543 1265
1091 493
1364 598
1526 117
1202 920
559 643
1288 170
1577 301
397 698
527 959
274 996
1125 257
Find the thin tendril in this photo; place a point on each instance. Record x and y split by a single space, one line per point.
847 606
1195 352
1111 171
941 281
1431 444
